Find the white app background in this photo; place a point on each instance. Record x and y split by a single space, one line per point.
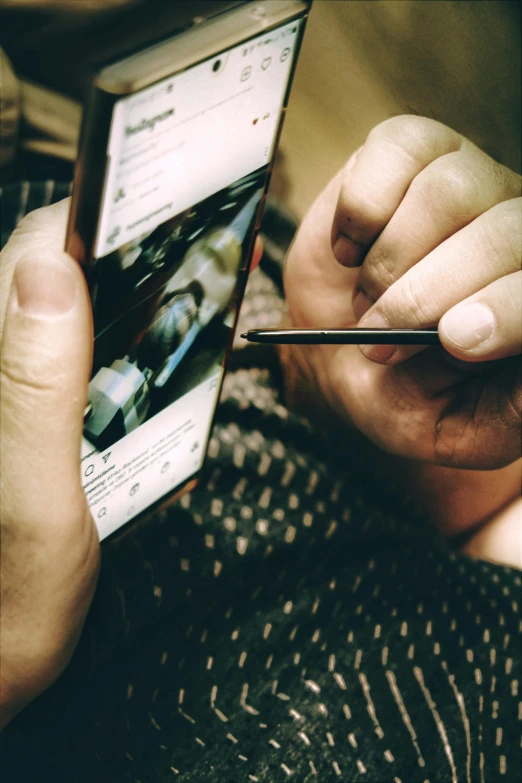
171 146
191 135
126 478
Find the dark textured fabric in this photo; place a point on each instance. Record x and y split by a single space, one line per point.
292 618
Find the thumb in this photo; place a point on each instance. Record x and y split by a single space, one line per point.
49 554
45 364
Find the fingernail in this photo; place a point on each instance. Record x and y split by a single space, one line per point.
44 287
361 304
469 325
377 353
347 252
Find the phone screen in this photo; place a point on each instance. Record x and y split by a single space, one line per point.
188 160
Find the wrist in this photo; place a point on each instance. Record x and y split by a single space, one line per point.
459 501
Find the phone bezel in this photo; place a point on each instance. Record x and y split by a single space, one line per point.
216 36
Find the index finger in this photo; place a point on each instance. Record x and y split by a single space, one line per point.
485 252
395 152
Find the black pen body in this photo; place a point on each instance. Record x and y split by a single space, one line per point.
343 336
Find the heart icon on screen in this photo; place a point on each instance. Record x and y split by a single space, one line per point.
254 122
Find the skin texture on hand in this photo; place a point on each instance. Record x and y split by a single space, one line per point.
49 544
420 228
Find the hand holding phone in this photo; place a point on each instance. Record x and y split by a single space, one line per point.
49 555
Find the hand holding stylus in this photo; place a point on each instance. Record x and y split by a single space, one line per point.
421 229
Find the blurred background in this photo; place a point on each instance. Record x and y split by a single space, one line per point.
458 61
365 60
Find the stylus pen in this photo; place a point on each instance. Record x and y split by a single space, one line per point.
343 336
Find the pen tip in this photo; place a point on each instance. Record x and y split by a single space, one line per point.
245 335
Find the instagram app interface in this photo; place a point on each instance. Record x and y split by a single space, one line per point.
187 165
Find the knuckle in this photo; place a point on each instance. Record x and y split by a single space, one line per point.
378 272
20 382
357 214
472 446
420 138
483 432
458 442
402 128
453 442
500 234
416 305
497 176
449 185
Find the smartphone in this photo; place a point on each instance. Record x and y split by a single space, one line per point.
175 157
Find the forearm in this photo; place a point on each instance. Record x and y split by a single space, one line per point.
461 500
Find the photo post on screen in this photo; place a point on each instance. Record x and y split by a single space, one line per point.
188 161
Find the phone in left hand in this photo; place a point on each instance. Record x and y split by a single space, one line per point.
176 151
